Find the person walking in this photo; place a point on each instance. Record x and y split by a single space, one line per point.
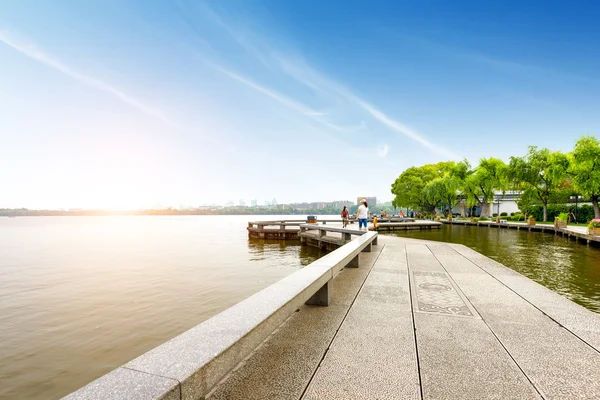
345 217
362 214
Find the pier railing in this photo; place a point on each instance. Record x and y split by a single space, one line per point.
279 229
191 364
345 233
387 219
282 224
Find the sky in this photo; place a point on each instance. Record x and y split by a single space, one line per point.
135 104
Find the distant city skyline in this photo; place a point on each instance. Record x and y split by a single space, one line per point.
230 203
128 105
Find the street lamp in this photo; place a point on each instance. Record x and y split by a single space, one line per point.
498 200
576 198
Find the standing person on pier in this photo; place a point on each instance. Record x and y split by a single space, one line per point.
362 214
345 217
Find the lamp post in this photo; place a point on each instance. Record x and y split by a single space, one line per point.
576 198
498 202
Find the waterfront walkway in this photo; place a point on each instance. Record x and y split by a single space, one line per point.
427 320
577 232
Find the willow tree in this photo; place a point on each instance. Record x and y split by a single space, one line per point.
463 173
443 191
585 169
478 185
540 171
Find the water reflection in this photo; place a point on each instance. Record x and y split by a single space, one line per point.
275 251
562 265
80 296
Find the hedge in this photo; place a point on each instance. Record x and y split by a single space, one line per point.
585 212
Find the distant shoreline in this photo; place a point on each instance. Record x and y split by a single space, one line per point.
89 213
24 212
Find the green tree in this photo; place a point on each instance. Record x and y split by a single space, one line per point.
433 193
462 172
477 185
443 191
585 169
540 171
527 201
491 175
408 188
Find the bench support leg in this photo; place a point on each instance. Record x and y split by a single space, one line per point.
367 249
347 236
322 297
374 242
353 263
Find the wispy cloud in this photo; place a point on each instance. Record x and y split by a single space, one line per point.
309 77
341 103
36 54
405 130
515 67
301 108
383 151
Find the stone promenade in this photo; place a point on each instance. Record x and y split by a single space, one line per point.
427 320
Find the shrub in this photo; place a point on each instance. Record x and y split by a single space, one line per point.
482 218
595 223
512 214
516 216
585 212
494 215
563 217
503 214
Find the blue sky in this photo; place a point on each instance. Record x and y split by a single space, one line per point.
122 104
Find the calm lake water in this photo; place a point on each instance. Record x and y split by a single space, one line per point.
80 296
564 266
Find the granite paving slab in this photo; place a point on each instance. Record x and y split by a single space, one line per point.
557 362
577 319
373 356
282 366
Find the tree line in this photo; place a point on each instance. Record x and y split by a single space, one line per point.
24 212
541 176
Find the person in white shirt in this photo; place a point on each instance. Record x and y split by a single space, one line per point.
362 214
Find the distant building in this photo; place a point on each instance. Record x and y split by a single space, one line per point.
242 203
300 206
340 204
267 203
274 202
502 203
253 203
372 201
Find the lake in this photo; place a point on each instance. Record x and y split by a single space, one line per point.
79 296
